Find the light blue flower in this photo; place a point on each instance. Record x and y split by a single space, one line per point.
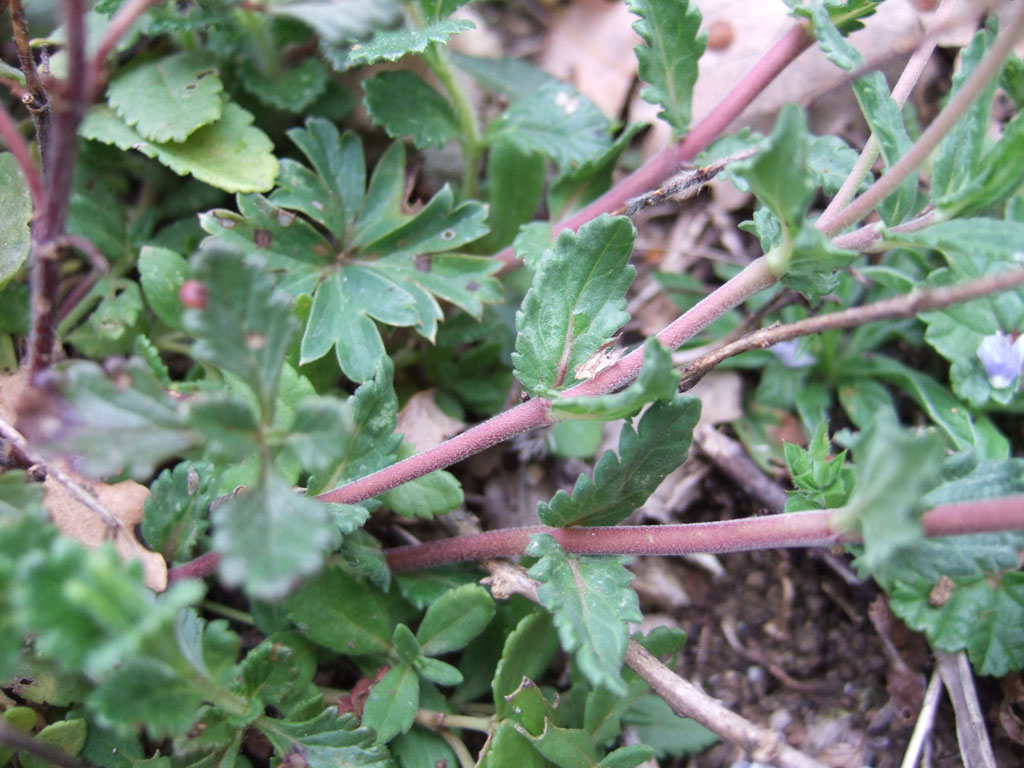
791 355
1002 358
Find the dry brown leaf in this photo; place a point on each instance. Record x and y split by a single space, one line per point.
424 424
125 500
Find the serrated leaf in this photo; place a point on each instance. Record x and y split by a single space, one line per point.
668 60
623 483
16 203
669 734
591 602
161 274
366 556
658 380
885 119
313 435
270 536
368 438
577 301
957 157
290 88
393 44
121 421
176 510
831 159
326 741
454 619
555 121
342 613
894 469
432 124
246 325
113 325
229 154
393 702
170 98
997 176
279 670
147 691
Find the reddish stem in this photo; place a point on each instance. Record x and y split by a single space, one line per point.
784 531
665 163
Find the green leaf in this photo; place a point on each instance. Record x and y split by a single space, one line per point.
831 159
368 436
168 99
150 692
822 481
669 734
997 176
113 325
16 203
454 619
393 702
393 44
516 182
339 21
66 735
658 380
564 747
778 173
332 193
312 437
578 186
366 556
591 602
508 748
114 421
438 672
885 119
577 301
555 121
342 613
995 238
269 536
957 158
894 469
326 741
176 510
422 747
527 652
404 643
162 272
388 96
229 154
279 672
628 757
246 325
291 88
603 710
623 483
427 496
668 60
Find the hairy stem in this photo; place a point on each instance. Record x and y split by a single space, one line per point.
906 305
817 528
935 132
651 174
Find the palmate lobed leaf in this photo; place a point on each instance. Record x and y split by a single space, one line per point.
382 264
577 301
623 483
326 741
668 60
591 602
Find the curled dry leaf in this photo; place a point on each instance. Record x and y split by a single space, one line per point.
125 500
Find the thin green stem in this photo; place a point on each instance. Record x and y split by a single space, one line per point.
229 613
436 720
440 62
